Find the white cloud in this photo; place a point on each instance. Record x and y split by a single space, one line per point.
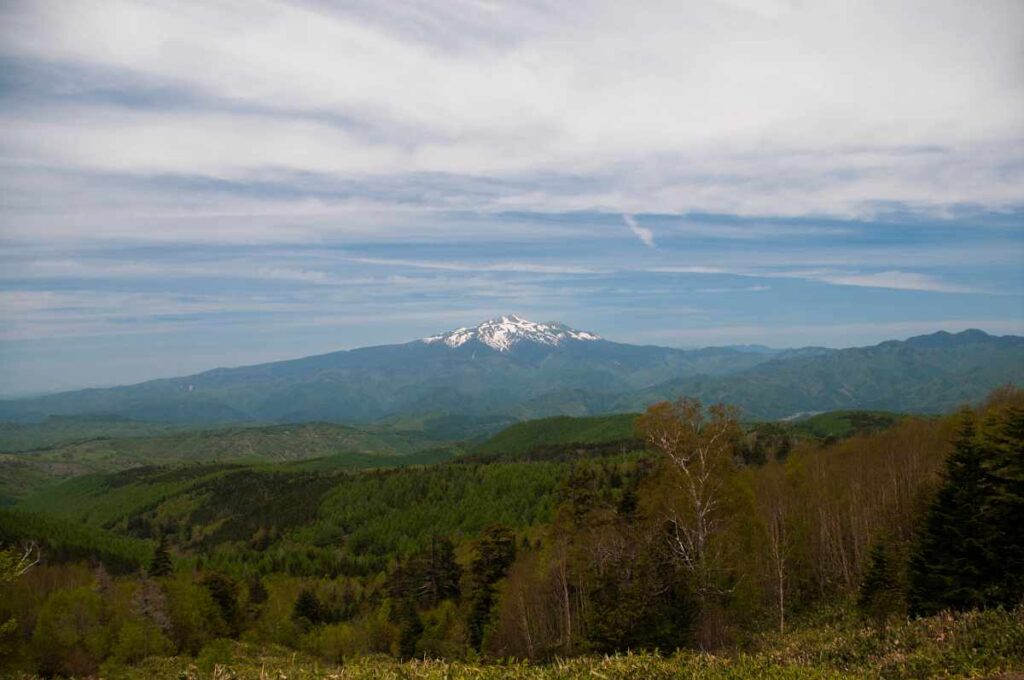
897 280
746 106
645 235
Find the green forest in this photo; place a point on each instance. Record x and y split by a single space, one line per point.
675 542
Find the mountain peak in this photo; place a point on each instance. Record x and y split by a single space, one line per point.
507 331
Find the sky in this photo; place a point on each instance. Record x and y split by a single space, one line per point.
186 185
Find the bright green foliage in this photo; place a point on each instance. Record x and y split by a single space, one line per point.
397 512
193 614
63 540
140 638
69 637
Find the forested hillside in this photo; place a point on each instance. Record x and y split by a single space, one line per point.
694 537
934 374
334 447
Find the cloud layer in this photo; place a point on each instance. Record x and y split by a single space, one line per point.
261 174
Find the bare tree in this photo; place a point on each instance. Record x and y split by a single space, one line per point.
772 494
14 562
698 445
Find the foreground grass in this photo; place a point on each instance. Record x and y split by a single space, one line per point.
973 645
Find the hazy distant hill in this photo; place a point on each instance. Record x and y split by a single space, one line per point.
925 374
511 367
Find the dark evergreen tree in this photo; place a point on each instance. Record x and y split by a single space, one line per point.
579 491
495 554
1003 439
628 502
953 562
257 590
441 573
400 583
224 591
640 603
410 627
161 564
307 608
882 592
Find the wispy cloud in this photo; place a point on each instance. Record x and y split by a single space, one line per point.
896 280
740 289
645 235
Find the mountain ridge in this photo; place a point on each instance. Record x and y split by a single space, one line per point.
513 367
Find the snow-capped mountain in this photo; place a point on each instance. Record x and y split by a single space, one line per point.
513 368
505 332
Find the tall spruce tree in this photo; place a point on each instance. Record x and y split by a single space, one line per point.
161 564
410 627
441 573
496 553
307 608
1003 439
953 564
882 592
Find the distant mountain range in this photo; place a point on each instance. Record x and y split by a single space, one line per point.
516 368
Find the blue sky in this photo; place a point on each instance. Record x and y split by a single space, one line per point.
191 185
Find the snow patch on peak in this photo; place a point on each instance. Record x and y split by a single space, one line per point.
505 332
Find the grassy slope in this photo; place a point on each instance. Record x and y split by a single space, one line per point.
971 645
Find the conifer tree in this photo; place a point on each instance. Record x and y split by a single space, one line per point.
953 563
496 552
1003 439
410 626
881 594
224 591
440 580
307 607
257 590
161 564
